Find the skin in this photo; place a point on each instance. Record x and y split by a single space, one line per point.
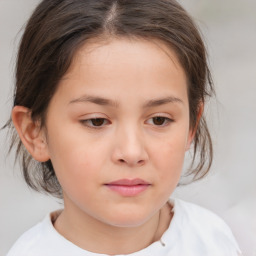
137 91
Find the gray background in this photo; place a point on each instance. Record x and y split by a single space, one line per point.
229 190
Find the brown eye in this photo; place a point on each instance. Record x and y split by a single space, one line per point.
95 122
159 120
98 121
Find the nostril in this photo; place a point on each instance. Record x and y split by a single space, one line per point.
140 161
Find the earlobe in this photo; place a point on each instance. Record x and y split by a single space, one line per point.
32 137
192 131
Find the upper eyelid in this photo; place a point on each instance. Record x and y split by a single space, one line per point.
93 116
166 115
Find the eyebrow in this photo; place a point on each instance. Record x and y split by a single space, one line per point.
96 100
161 101
108 102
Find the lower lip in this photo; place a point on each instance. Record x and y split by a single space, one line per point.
128 191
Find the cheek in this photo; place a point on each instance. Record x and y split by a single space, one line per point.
168 156
77 170
74 158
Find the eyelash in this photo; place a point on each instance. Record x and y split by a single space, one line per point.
165 120
89 122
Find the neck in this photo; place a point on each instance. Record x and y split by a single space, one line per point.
93 235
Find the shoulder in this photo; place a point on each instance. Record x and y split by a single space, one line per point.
39 240
191 211
198 228
27 241
200 218
43 239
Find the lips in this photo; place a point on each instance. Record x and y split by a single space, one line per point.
128 187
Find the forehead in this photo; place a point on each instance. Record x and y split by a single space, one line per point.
122 64
121 51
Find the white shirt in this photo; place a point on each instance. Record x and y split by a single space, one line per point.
193 231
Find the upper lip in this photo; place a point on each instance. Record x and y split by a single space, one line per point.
129 182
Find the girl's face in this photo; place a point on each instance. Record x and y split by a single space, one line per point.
118 129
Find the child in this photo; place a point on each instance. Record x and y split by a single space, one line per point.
109 97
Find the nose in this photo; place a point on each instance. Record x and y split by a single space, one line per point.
130 148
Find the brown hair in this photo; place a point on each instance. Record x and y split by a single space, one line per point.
57 29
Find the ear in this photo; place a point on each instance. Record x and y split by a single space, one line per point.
30 133
192 131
